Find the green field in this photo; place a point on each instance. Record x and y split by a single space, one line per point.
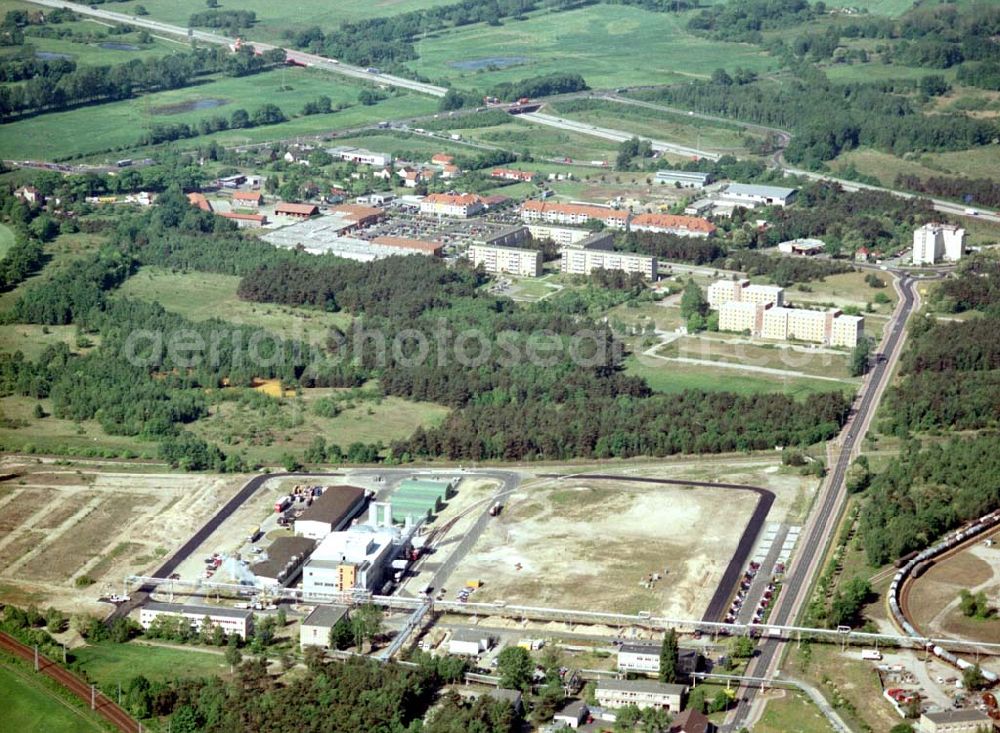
610 45
290 425
792 712
274 18
109 664
6 240
728 348
92 53
706 135
117 125
28 705
544 142
674 377
982 162
203 295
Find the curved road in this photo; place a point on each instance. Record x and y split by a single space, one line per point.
813 541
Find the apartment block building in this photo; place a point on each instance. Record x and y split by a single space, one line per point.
562 236
822 327
509 260
539 211
584 261
934 243
739 317
741 291
641 693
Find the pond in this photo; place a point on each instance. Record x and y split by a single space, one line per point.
499 62
193 105
116 46
51 56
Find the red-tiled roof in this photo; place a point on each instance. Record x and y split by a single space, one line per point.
246 196
591 211
298 209
259 218
453 199
199 200
673 221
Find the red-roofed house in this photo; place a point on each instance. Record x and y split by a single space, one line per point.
450 171
300 211
199 200
442 159
247 199
510 174
532 211
462 205
862 255
245 220
685 226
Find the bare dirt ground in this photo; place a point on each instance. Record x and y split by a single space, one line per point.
590 544
934 596
57 525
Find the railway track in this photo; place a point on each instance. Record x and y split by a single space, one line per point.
100 702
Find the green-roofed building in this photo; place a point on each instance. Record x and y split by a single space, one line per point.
419 498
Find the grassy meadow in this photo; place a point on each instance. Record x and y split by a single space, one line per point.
30 703
6 240
120 125
110 664
610 45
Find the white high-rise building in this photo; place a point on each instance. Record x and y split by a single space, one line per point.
933 243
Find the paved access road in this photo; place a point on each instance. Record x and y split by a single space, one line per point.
814 539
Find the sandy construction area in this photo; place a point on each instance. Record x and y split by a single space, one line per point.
591 544
59 525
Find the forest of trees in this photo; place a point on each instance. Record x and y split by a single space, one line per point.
58 86
743 20
983 191
924 493
976 287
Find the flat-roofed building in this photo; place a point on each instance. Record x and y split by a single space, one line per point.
956 721
461 205
639 657
742 291
419 246
741 317
682 179
315 628
468 642
802 247
809 325
355 558
330 512
641 693
562 236
847 331
232 620
360 155
752 195
584 261
775 324
934 242
683 226
284 560
501 236
536 211
507 260
360 216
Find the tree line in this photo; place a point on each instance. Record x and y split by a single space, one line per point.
976 286
983 191
61 86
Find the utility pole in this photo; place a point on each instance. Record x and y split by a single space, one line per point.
93 697
36 657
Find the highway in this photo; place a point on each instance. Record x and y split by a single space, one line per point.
823 521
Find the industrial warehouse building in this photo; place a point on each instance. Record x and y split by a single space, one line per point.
507 260
683 179
933 243
330 511
297 211
416 499
468 642
955 721
752 195
315 628
360 155
232 620
584 261
284 559
359 557
802 247
741 291
641 693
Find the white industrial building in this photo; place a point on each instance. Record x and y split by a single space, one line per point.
933 243
361 156
742 291
683 179
639 657
802 247
232 620
510 260
641 693
315 628
468 642
359 557
584 261
752 195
